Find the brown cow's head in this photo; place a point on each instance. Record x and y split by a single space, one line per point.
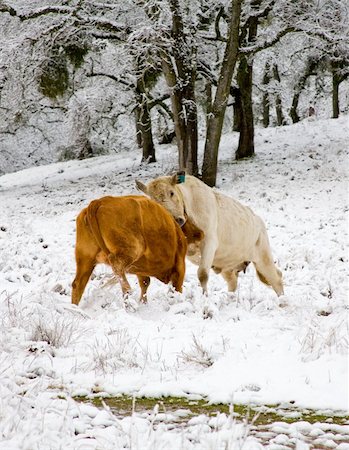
164 190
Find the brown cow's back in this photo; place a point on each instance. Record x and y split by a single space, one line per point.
144 230
134 235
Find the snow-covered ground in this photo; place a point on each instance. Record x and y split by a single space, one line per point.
254 349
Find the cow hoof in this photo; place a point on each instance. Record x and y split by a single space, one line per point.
283 301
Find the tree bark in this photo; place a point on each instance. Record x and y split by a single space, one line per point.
293 110
237 107
335 95
138 130
299 88
179 68
184 117
215 122
265 100
246 140
244 78
143 124
280 120
208 103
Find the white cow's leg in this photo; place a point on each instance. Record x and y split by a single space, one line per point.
271 276
267 272
231 277
208 250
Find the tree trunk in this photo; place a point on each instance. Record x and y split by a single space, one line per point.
138 130
246 140
184 117
208 103
143 125
293 110
237 109
299 88
335 95
215 122
179 68
244 78
265 100
280 120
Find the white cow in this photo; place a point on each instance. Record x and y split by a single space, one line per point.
233 234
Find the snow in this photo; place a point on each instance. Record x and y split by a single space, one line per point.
256 348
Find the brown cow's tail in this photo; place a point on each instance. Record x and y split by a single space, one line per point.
178 272
92 222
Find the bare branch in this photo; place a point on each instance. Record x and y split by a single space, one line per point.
7 8
41 12
112 77
257 15
158 101
216 23
267 44
100 23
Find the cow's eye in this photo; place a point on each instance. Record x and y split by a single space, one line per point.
171 194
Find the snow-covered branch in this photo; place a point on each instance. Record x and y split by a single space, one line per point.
267 44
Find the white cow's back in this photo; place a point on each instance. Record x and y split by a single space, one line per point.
222 219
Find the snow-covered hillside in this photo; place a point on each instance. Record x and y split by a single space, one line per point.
256 348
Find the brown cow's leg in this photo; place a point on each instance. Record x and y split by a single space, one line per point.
144 284
84 268
86 251
125 285
177 276
118 265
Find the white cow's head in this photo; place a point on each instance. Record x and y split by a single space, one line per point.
164 190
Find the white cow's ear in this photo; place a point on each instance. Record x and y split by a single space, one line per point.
142 187
174 179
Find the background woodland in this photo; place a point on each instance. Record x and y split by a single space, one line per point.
80 78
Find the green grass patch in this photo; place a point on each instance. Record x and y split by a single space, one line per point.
260 415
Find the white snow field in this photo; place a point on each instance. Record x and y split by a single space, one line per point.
255 349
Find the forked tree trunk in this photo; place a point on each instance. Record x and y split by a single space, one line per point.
185 118
215 121
179 68
299 88
340 73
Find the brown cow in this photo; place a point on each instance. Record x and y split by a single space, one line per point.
134 235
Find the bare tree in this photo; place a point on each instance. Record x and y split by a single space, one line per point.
179 68
215 121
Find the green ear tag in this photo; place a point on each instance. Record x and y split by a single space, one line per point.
180 177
